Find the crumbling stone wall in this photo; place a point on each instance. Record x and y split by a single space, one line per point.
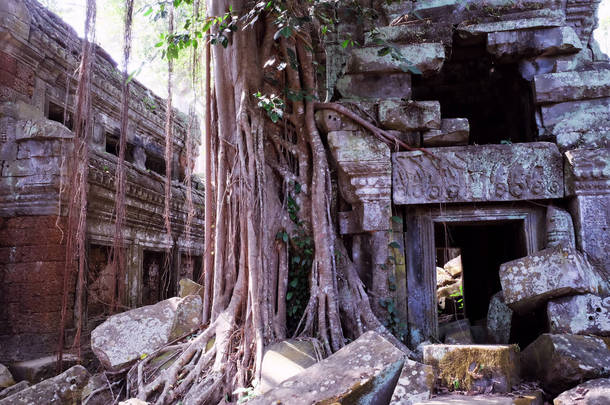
39 55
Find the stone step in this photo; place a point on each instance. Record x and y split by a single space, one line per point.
475 367
427 58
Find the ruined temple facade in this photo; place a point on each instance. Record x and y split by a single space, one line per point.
510 102
39 55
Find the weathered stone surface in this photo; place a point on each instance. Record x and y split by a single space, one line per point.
415 383
562 361
532 67
411 138
587 173
459 337
410 115
330 120
428 58
526 171
508 46
592 392
414 32
499 319
284 360
567 86
455 330
364 372
364 179
531 281
13 389
541 19
375 85
62 389
454 399
40 369
559 227
396 9
580 315
189 287
474 367
453 132
133 401
443 278
124 337
6 378
454 266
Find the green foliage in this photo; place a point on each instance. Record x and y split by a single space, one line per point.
245 394
273 105
459 298
301 254
388 48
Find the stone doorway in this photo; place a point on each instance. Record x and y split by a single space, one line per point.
487 235
468 259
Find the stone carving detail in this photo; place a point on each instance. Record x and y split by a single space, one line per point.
478 173
559 227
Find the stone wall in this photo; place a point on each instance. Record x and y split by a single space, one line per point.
39 54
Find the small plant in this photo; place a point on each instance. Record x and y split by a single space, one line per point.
456 384
459 298
273 104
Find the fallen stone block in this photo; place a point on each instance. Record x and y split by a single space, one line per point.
580 315
124 337
453 132
443 278
97 391
562 361
13 389
454 266
592 392
6 378
509 46
568 86
189 287
409 115
427 58
64 388
375 85
415 383
40 369
362 372
475 367
513 399
531 281
499 319
284 360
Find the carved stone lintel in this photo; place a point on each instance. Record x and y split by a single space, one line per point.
478 173
587 171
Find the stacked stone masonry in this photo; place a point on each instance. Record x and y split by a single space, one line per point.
38 55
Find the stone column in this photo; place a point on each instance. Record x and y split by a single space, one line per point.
587 173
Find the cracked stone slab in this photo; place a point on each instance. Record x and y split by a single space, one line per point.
580 315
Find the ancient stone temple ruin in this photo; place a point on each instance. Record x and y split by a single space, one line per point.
509 103
39 55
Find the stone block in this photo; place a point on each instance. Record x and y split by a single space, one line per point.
409 115
443 278
526 171
6 378
592 392
475 367
414 32
375 85
568 86
428 58
411 138
499 319
124 337
454 266
363 372
97 391
13 389
284 360
62 389
415 383
531 281
513 22
453 132
559 227
396 9
189 287
586 314
510 46
330 121
40 369
512 399
560 362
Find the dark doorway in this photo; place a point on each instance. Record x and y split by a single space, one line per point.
483 247
157 282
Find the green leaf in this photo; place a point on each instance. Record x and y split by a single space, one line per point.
345 43
294 283
148 12
289 296
397 220
394 245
